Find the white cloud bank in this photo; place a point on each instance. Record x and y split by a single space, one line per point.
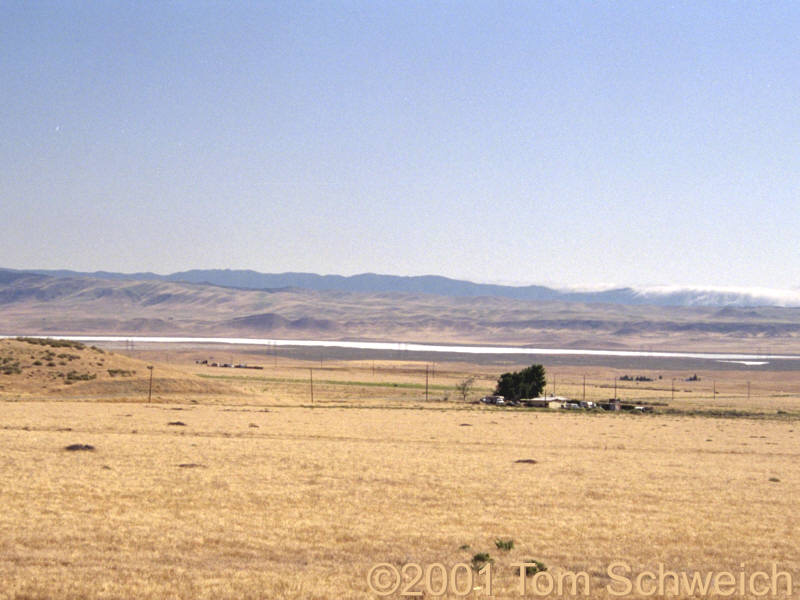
723 295
687 295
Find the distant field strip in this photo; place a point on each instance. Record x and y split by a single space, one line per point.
379 384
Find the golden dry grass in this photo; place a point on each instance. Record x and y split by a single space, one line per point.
260 495
300 502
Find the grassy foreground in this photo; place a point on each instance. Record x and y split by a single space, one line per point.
246 501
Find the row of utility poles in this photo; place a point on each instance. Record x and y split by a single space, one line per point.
672 390
430 370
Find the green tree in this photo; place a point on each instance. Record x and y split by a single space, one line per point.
528 383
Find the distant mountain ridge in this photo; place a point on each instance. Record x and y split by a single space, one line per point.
38 304
444 286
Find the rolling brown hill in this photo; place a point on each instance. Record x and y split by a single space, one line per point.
41 367
33 304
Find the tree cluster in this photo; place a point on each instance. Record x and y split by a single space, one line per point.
528 383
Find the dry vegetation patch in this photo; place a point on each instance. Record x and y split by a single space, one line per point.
79 447
267 495
305 504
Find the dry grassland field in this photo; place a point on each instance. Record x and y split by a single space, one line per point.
234 484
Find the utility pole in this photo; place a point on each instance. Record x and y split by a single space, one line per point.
311 379
150 388
615 387
584 388
673 390
426 383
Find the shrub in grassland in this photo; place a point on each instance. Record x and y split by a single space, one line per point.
504 544
480 559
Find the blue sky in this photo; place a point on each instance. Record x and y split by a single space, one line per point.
567 143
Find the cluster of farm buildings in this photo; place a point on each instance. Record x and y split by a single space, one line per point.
560 402
228 365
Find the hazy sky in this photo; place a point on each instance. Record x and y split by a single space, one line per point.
575 143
